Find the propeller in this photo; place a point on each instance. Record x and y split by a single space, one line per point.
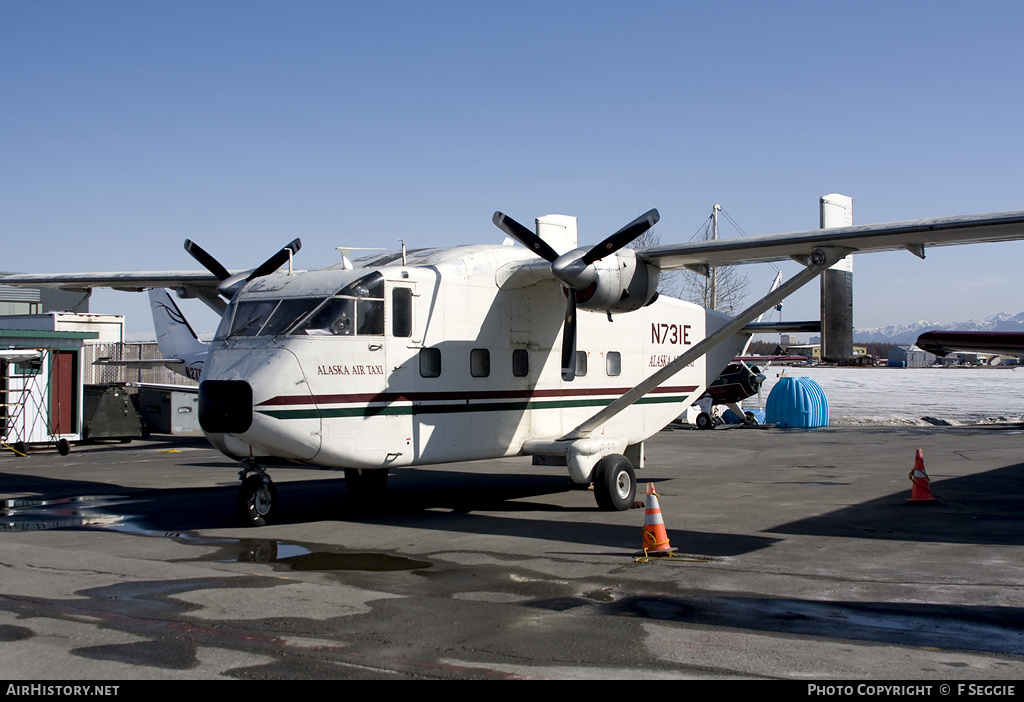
230 284
524 236
575 270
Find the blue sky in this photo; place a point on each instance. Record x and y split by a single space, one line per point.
126 127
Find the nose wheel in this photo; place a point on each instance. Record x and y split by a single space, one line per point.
257 499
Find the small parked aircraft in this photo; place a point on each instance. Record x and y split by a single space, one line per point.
733 385
554 351
943 343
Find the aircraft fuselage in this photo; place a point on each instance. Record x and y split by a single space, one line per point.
433 361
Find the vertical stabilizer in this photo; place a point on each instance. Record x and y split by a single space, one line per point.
837 286
174 335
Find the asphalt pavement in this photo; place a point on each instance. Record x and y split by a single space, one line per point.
797 555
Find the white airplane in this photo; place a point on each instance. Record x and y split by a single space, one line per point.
561 353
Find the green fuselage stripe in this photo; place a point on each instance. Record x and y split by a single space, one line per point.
451 408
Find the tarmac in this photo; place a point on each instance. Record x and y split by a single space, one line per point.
797 556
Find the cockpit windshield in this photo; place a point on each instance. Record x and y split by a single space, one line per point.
357 309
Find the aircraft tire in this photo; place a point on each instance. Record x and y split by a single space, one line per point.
750 419
614 483
705 421
257 501
367 482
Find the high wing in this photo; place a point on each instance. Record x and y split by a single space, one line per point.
129 282
196 283
915 236
817 250
213 288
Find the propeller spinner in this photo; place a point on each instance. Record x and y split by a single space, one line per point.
575 270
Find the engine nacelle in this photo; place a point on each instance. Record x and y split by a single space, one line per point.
623 283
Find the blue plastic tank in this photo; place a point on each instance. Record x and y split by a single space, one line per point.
797 402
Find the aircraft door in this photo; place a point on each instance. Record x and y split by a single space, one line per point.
404 340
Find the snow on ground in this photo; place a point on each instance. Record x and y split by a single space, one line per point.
904 396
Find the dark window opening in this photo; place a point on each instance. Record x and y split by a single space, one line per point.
401 312
430 363
480 363
520 363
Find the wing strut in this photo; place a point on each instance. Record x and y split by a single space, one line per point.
819 260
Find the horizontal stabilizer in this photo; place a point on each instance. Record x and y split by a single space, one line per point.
809 327
138 363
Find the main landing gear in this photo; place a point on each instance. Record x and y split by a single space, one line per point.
257 496
614 483
705 421
614 488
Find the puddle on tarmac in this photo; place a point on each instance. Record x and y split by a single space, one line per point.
299 557
88 511
99 512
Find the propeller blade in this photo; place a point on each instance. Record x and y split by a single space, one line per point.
275 261
569 339
524 236
206 260
622 237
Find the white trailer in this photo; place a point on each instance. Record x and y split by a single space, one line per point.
41 388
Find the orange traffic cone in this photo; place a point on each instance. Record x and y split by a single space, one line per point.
655 536
921 485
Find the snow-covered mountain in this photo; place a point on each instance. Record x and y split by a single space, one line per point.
908 333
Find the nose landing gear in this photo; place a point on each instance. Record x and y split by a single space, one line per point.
257 496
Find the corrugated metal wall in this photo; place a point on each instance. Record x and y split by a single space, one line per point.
100 374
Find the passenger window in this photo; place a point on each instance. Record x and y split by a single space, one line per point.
430 363
613 363
581 364
401 312
480 363
520 363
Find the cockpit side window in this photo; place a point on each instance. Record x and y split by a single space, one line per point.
358 308
335 317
